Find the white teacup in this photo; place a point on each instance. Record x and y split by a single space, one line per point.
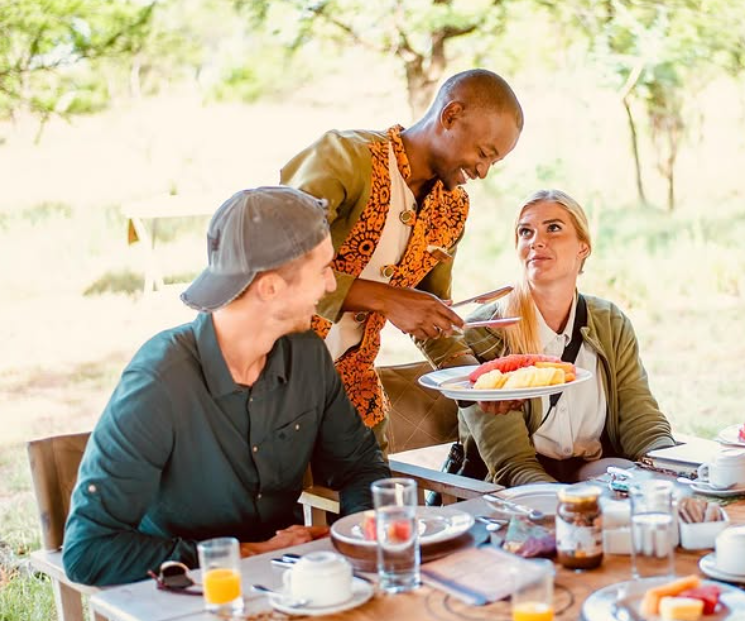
730 550
323 578
727 469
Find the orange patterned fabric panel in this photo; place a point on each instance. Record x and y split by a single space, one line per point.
440 222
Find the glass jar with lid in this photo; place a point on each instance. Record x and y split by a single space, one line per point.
579 527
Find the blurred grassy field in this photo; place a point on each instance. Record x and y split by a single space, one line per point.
72 316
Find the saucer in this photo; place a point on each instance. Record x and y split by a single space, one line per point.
708 565
707 490
362 590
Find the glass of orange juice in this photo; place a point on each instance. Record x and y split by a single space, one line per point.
533 594
219 560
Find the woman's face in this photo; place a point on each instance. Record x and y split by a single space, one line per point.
548 245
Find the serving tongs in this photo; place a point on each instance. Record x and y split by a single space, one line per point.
510 506
483 298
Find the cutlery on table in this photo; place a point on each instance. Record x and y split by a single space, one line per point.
509 505
286 600
492 524
483 298
289 559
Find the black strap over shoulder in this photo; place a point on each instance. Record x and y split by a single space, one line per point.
572 348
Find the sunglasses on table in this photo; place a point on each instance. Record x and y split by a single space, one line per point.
174 576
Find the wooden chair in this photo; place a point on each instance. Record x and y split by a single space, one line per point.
54 471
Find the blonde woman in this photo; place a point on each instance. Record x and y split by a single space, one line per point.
612 415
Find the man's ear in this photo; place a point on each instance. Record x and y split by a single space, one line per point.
450 113
269 285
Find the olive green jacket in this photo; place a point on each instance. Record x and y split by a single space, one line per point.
338 167
634 424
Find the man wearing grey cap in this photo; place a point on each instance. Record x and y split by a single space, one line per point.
214 423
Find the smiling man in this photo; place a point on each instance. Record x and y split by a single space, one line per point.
213 423
397 212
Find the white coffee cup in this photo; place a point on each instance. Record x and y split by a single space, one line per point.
323 578
730 550
727 469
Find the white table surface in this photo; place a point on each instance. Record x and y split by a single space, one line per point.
143 601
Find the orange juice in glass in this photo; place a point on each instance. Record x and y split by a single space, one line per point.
532 611
533 592
219 560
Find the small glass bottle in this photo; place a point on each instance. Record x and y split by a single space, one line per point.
579 527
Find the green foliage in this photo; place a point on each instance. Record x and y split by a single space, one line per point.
41 41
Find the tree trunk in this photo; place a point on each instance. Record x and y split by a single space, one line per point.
635 149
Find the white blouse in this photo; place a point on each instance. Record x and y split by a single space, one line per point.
574 427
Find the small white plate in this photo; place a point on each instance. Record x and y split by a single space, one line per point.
708 490
362 591
542 497
454 384
730 435
708 565
435 524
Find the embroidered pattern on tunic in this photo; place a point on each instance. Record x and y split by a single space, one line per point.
439 222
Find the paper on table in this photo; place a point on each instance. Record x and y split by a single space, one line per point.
479 576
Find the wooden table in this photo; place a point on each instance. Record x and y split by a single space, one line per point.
158 207
143 602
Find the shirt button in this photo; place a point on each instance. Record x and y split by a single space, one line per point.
567 451
92 489
258 496
360 317
407 217
387 271
255 449
297 427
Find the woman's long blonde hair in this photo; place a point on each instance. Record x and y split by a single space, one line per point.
524 337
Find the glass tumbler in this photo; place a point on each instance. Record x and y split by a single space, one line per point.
652 532
219 560
396 529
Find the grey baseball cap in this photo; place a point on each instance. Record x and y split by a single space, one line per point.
252 232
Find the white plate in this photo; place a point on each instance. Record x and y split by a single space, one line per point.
729 435
708 565
454 383
600 606
435 524
700 487
362 590
540 496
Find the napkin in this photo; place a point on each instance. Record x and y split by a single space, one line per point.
479 576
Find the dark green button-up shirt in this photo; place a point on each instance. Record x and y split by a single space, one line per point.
183 453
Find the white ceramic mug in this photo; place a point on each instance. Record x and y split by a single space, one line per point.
727 469
323 578
730 550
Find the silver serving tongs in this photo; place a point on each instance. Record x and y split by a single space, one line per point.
512 506
483 298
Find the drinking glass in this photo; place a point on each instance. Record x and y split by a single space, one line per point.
219 560
652 534
397 534
533 592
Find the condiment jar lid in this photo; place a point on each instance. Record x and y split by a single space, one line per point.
580 493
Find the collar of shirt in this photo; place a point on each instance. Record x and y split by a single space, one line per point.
216 373
548 336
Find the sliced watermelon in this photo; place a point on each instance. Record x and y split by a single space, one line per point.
708 594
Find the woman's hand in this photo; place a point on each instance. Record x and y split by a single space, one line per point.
285 538
501 407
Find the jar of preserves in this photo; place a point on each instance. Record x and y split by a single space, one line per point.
579 527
